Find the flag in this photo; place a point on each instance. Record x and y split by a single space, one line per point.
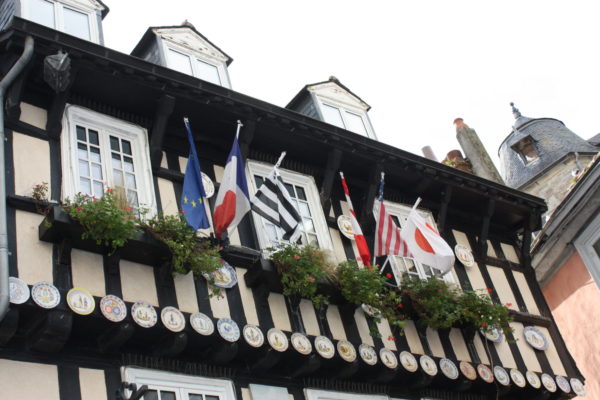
388 238
273 202
233 201
193 196
359 238
426 244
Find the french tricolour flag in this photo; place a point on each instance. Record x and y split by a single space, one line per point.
233 201
359 238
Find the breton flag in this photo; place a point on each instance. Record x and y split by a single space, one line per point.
388 239
273 202
193 196
359 238
233 201
426 244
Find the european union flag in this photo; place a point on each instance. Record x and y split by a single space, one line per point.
193 196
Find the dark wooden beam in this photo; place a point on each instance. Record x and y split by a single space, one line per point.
485 227
246 136
164 108
366 215
526 244
57 107
333 165
446 196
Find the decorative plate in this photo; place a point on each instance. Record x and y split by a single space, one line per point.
81 301
533 379
464 255
388 358
225 277
253 335
517 377
18 290
202 324
45 295
228 329
172 319
428 365
301 343
345 224
501 375
468 370
113 308
367 354
371 311
449 368
548 383
324 347
408 361
346 350
144 314
209 187
277 339
535 338
485 373
563 384
577 387
494 335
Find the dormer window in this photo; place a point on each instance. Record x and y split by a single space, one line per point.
194 66
526 149
344 119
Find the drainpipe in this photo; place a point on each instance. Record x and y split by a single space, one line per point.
4 84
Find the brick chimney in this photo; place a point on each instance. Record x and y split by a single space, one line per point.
475 152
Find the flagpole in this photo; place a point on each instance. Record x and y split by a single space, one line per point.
416 204
281 157
239 126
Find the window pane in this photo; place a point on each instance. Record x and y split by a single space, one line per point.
130 181
114 143
95 154
167 395
128 163
332 115
85 186
209 397
309 226
193 396
151 395
93 137
290 189
81 133
77 23
118 177
98 189
259 181
301 193
82 152
355 123
208 72
303 209
179 62
126 147
42 12
97 171
84 168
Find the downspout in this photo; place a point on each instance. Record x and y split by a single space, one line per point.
4 84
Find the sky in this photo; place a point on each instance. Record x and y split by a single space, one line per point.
418 64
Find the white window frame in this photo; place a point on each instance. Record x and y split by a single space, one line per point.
312 195
585 246
194 57
344 108
84 7
179 383
104 124
313 394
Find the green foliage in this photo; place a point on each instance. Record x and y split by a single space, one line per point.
478 310
40 192
301 268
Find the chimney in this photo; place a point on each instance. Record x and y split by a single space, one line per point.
428 153
473 148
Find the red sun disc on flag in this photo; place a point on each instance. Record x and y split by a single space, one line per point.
422 241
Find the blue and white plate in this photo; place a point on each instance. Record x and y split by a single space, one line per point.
225 277
228 329
18 290
535 338
202 324
45 295
144 314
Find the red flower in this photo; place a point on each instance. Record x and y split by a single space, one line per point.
490 290
109 190
183 211
508 304
296 256
400 305
483 323
388 275
440 290
311 279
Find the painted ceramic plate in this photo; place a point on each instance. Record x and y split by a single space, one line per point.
578 387
501 375
371 311
253 335
113 308
408 361
228 329
535 338
367 354
225 277
485 373
345 224
533 379
18 290
563 384
202 324
172 319
517 377
548 383
428 365
468 370
449 368
388 358
45 295
493 335
324 347
209 187
301 343
81 301
144 314
346 350
464 255
278 340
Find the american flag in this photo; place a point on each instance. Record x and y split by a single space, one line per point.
359 238
388 239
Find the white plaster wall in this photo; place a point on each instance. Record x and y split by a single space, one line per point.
552 354
502 287
247 298
505 355
137 282
458 345
31 157
92 384
527 352
510 253
473 273
363 327
167 197
185 291
528 298
25 380
33 115
309 317
386 335
481 352
334 320
34 257
435 344
412 337
219 306
338 245
88 272
281 319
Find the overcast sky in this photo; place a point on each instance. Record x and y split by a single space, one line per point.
419 64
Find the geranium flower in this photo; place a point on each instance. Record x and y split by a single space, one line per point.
490 290
388 275
483 323
311 278
296 256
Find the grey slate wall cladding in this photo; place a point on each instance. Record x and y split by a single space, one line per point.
7 11
553 140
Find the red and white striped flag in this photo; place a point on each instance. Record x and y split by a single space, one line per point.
388 239
361 243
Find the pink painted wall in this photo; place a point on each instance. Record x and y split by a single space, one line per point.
574 300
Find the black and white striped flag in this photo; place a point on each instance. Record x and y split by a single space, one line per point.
273 202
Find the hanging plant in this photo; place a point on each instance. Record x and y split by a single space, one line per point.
478 310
